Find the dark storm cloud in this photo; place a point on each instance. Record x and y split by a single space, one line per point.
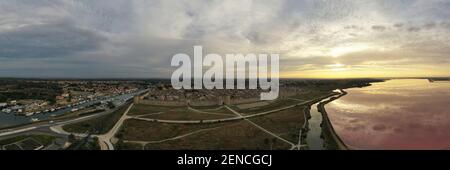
59 39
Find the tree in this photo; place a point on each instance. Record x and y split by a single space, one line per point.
111 105
274 141
71 138
51 101
69 99
3 98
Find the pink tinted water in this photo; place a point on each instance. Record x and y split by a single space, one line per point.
397 114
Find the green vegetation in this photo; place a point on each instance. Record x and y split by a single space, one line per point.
12 140
329 142
280 103
87 143
225 135
44 139
238 135
212 109
27 142
187 114
98 125
139 109
128 146
310 94
152 131
22 89
286 123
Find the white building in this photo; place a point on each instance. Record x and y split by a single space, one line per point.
6 110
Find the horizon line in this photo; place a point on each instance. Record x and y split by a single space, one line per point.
143 78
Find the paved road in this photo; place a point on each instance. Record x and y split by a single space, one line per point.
106 138
263 129
176 137
238 117
47 124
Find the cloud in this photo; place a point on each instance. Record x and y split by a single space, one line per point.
414 29
378 28
48 41
137 38
398 25
429 25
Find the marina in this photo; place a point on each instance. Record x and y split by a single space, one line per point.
14 119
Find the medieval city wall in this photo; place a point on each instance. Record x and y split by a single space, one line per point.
159 103
241 101
205 103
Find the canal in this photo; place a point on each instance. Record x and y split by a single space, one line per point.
314 138
10 119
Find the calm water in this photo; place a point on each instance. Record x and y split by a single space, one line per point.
313 138
7 120
397 114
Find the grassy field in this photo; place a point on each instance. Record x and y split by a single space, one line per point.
41 139
128 146
310 94
140 109
187 114
98 125
239 135
286 123
85 144
213 109
12 140
140 130
44 139
280 103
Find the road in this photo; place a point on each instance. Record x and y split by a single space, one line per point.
176 137
106 138
238 117
47 124
263 129
55 126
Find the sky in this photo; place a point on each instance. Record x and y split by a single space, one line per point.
138 38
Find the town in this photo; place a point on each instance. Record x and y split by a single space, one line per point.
31 97
151 114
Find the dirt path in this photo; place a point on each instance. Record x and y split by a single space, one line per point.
106 138
263 129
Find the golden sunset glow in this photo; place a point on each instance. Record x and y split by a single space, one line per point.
314 39
342 50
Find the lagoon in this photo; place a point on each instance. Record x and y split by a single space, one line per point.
396 114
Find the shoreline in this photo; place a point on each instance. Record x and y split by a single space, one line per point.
328 126
307 115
